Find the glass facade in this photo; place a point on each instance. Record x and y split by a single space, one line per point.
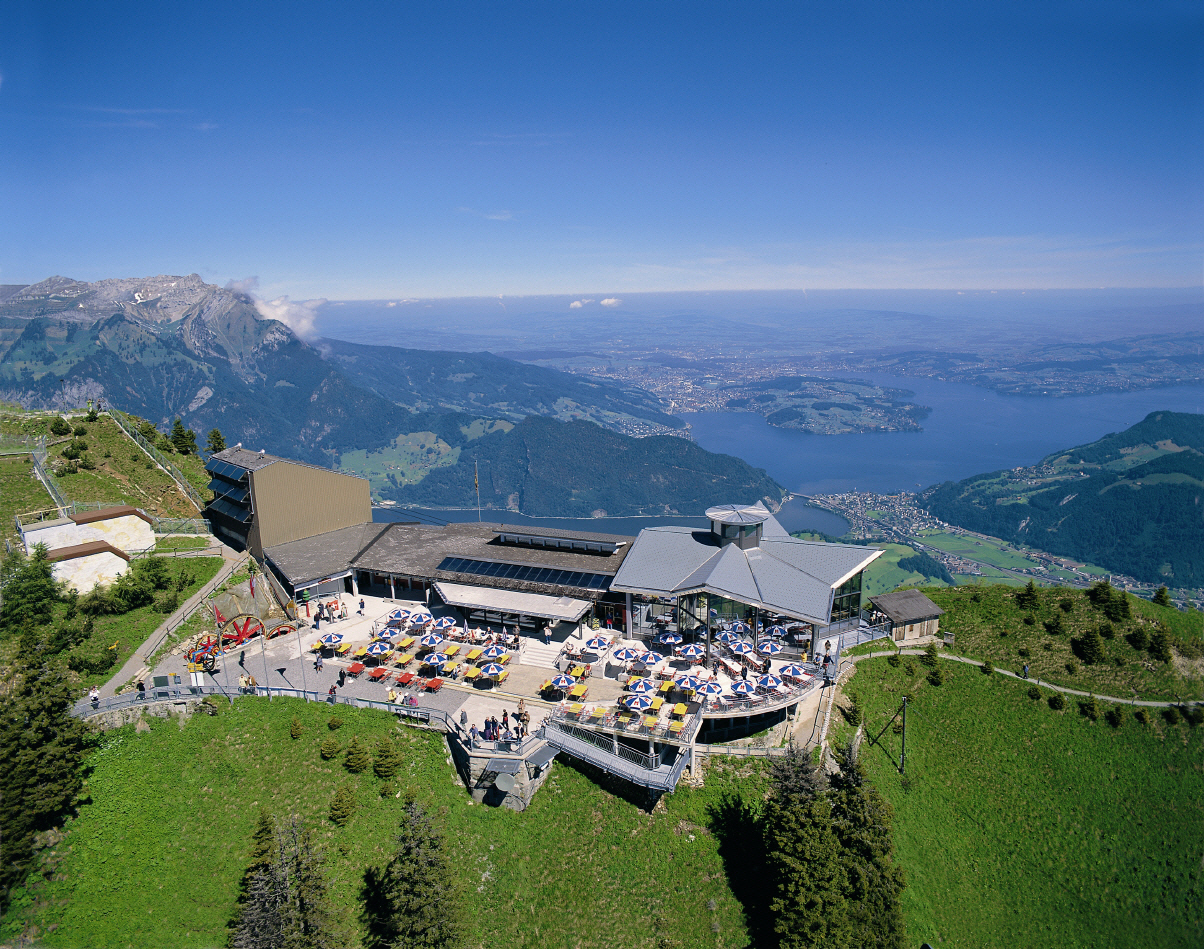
846 603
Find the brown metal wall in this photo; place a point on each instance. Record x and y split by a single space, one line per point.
295 501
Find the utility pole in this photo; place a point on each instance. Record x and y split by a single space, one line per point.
903 748
476 480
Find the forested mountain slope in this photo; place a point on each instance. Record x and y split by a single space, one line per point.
1132 501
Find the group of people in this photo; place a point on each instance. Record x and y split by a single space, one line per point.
510 728
247 683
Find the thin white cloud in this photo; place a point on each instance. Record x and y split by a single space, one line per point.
578 304
612 301
503 214
247 285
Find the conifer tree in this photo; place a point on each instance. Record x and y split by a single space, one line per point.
861 818
1028 598
358 759
183 439
342 805
803 858
215 441
414 901
29 590
329 748
262 919
295 729
1163 596
1089 647
387 761
41 746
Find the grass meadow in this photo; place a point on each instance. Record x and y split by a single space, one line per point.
20 493
992 628
154 856
1021 826
884 574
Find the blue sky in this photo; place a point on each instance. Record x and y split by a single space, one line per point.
448 149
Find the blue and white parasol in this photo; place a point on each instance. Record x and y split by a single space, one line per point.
492 669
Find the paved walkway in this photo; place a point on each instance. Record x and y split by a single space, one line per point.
1019 678
136 665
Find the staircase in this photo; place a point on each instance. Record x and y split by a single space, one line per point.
535 653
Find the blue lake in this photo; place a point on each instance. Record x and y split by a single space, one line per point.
970 431
794 516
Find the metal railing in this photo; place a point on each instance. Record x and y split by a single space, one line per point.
607 744
126 425
201 595
39 466
21 444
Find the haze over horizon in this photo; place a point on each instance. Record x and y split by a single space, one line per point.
366 152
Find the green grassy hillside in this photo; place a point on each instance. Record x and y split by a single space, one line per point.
1132 502
155 855
1021 826
989 625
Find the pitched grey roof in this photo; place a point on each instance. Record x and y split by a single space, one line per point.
247 459
784 574
325 555
907 606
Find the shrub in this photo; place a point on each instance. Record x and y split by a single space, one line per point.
1194 715
1117 608
1030 620
1034 693
81 430
1003 634
936 676
1028 598
86 462
1138 639
342 805
295 729
1057 702
1163 597
1142 715
93 415
1089 708
1171 715
987 669
1106 630
975 597
1115 716
1066 604
330 748
211 705
60 427
357 760
1189 648
388 789
1160 646
853 713
1072 667
894 660
930 657
167 601
910 667
1024 652
335 724
1054 626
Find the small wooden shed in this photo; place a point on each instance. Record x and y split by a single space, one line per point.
912 615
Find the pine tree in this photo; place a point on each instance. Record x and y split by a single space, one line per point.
803 857
342 805
388 760
215 441
329 748
1163 596
262 919
1028 598
861 818
42 747
311 919
414 901
295 729
1089 647
1160 645
358 759
29 590
180 439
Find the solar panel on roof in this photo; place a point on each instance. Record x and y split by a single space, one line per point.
233 511
528 573
222 487
226 470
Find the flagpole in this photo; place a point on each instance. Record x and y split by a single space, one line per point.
476 480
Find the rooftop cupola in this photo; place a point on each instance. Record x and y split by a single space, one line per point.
738 524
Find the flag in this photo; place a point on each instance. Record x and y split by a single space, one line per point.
476 482
217 615
251 581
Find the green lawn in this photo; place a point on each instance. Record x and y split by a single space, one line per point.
884 574
992 628
20 493
154 857
975 548
1021 826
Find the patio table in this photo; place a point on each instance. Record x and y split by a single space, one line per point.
675 728
474 654
679 708
472 673
434 685
667 686
406 659
657 703
578 691
597 716
361 652
378 673
343 649
405 678
407 642
650 722
452 649
575 708
355 668
577 672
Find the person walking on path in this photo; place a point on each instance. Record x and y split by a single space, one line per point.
1026 670
318 663
94 696
141 690
547 635
360 611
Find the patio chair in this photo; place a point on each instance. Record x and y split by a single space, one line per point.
586 671
675 729
502 678
343 648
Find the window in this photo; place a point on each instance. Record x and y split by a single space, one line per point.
846 602
526 573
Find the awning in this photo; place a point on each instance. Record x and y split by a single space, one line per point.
542 757
561 608
503 766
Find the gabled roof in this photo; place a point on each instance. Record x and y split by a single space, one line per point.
784 574
324 555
